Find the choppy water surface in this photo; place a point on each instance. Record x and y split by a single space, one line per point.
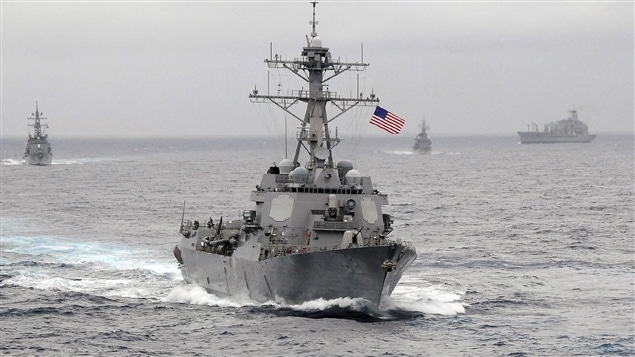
523 250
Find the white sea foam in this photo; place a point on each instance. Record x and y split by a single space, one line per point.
120 257
12 162
46 281
89 267
323 304
67 162
196 295
438 299
106 287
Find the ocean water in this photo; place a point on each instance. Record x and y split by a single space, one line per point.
524 250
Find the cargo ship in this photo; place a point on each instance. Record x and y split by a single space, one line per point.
570 130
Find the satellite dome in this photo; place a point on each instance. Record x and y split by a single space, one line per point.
344 166
353 177
286 166
316 42
300 174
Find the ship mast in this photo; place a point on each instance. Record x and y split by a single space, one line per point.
36 125
574 114
316 67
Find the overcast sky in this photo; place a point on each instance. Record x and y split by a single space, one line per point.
126 69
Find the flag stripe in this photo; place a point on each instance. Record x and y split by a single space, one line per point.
393 129
387 120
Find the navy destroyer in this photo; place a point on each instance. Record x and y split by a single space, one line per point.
423 144
317 230
570 130
38 149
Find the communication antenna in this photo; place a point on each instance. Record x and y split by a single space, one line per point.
313 22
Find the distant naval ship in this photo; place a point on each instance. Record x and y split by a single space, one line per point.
38 149
570 130
423 144
317 230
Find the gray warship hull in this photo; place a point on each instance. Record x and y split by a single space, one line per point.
532 137
423 146
38 154
300 277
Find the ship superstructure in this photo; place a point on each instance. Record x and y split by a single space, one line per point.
317 230
38 149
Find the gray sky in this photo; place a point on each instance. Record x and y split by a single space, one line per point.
125 69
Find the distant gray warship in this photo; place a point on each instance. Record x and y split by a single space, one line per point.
38 149
570 130
423 144
317 231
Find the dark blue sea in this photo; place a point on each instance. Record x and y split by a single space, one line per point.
524 250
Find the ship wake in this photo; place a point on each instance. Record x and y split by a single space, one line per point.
434 300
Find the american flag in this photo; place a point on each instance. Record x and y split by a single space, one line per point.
387 120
